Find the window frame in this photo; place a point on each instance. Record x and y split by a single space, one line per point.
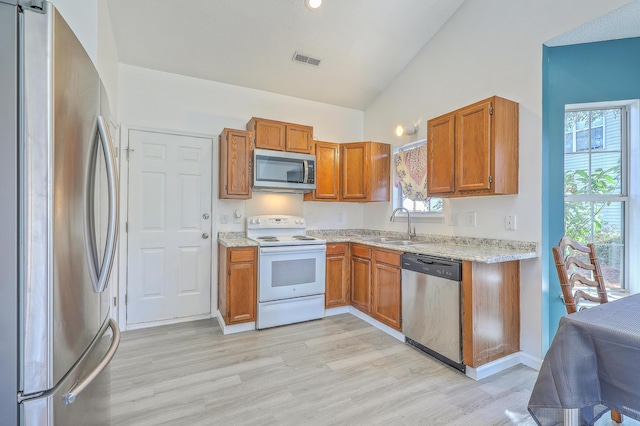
628 136
397 192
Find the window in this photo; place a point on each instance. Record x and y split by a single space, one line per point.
595 184
410 189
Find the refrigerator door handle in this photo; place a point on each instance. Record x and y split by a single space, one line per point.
101 277
78 387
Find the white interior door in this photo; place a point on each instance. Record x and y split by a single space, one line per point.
169 223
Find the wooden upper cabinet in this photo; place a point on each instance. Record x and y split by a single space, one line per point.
441 155
474 150
365 168
299 138
235 164
327 172
267 134
280 136
473 154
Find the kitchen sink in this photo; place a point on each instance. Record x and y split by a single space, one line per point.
394 241
380 239
405 243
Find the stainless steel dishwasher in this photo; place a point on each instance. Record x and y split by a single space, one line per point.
431 307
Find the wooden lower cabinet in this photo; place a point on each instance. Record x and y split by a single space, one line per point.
375 284
490 311
337 276
237 283
386 298
361 277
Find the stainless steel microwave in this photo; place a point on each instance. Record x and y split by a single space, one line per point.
278 171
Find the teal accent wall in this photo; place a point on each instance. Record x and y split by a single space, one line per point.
591 72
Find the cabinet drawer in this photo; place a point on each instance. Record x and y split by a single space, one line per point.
336 249
242 255
361 251
390 257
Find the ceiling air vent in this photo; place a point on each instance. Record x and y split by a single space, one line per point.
304 59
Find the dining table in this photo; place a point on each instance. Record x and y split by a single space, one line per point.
591 367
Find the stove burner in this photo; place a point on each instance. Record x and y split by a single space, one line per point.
268 238
303 238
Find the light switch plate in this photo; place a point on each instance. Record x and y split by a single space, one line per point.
471 219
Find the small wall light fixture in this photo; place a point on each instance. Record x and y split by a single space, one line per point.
406 130
313 4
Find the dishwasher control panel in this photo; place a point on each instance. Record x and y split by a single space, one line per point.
429 265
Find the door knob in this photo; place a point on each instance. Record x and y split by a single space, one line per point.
205 216
205 236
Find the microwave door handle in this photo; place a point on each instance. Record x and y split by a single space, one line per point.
305 179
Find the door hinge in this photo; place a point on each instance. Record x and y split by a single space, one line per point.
490 179
490 110
126 227
229 272
126 299
115 301
35 5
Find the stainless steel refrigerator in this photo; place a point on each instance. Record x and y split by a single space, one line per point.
58 224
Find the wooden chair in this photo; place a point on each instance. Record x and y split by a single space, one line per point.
580 266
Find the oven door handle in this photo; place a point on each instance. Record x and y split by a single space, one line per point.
320 248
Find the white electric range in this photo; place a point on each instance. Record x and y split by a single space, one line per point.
291 270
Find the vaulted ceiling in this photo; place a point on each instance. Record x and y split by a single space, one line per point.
362 45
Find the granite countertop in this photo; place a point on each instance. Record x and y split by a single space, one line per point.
482 250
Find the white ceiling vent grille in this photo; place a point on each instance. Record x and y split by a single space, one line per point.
304 59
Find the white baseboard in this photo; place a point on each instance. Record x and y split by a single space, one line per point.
234 328
530 361
502 364
377 324
336 311
166 322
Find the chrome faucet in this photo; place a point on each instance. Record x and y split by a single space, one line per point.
410 233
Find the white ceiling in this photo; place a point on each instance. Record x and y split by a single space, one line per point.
620 23
362 44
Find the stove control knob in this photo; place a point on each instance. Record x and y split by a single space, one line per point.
251 221
258 221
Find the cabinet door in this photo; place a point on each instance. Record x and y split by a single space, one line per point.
355 169
473 148
269 134
441 155
386 288
299 138
235 160
337 273
327 171
361 283
242 292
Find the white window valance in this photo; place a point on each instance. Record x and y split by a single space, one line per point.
411 172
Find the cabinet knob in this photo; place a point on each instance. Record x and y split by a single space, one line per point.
205 216
205 236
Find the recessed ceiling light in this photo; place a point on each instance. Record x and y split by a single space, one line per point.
312 4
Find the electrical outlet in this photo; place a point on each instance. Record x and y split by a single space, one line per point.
510 222
340 217
453 219
224 218
471 219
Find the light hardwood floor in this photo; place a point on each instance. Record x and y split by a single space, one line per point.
335 371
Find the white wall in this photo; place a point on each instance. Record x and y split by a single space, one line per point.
162 101
489 47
